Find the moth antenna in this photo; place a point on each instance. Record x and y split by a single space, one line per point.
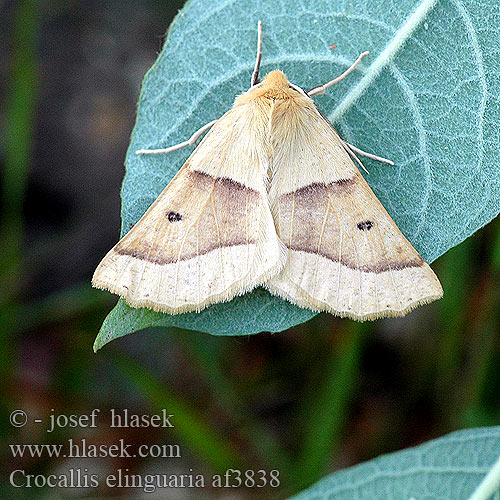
320 89
368 155
190 142
255 74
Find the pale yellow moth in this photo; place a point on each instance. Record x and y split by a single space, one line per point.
269 197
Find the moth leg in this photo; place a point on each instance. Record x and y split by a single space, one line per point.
255 74
353 154
190 142
320 89
348 147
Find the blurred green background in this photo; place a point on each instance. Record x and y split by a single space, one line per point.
324 395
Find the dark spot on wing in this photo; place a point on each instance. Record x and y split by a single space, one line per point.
174 217
365 225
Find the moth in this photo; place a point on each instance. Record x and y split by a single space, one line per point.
271 196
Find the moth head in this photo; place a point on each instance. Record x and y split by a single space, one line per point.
275 86
275 80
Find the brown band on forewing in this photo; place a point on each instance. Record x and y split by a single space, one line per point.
230 186
212 212
381 266
156 257
319 218
342 186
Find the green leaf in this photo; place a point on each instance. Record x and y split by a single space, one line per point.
224 319
449 468
427 97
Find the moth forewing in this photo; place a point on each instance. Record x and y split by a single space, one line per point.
346 255
209 236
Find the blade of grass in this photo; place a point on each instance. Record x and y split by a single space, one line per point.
454 272
263 443
483 341
470 406
190 426
17 148
18 142
495 255
330 405
60 306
